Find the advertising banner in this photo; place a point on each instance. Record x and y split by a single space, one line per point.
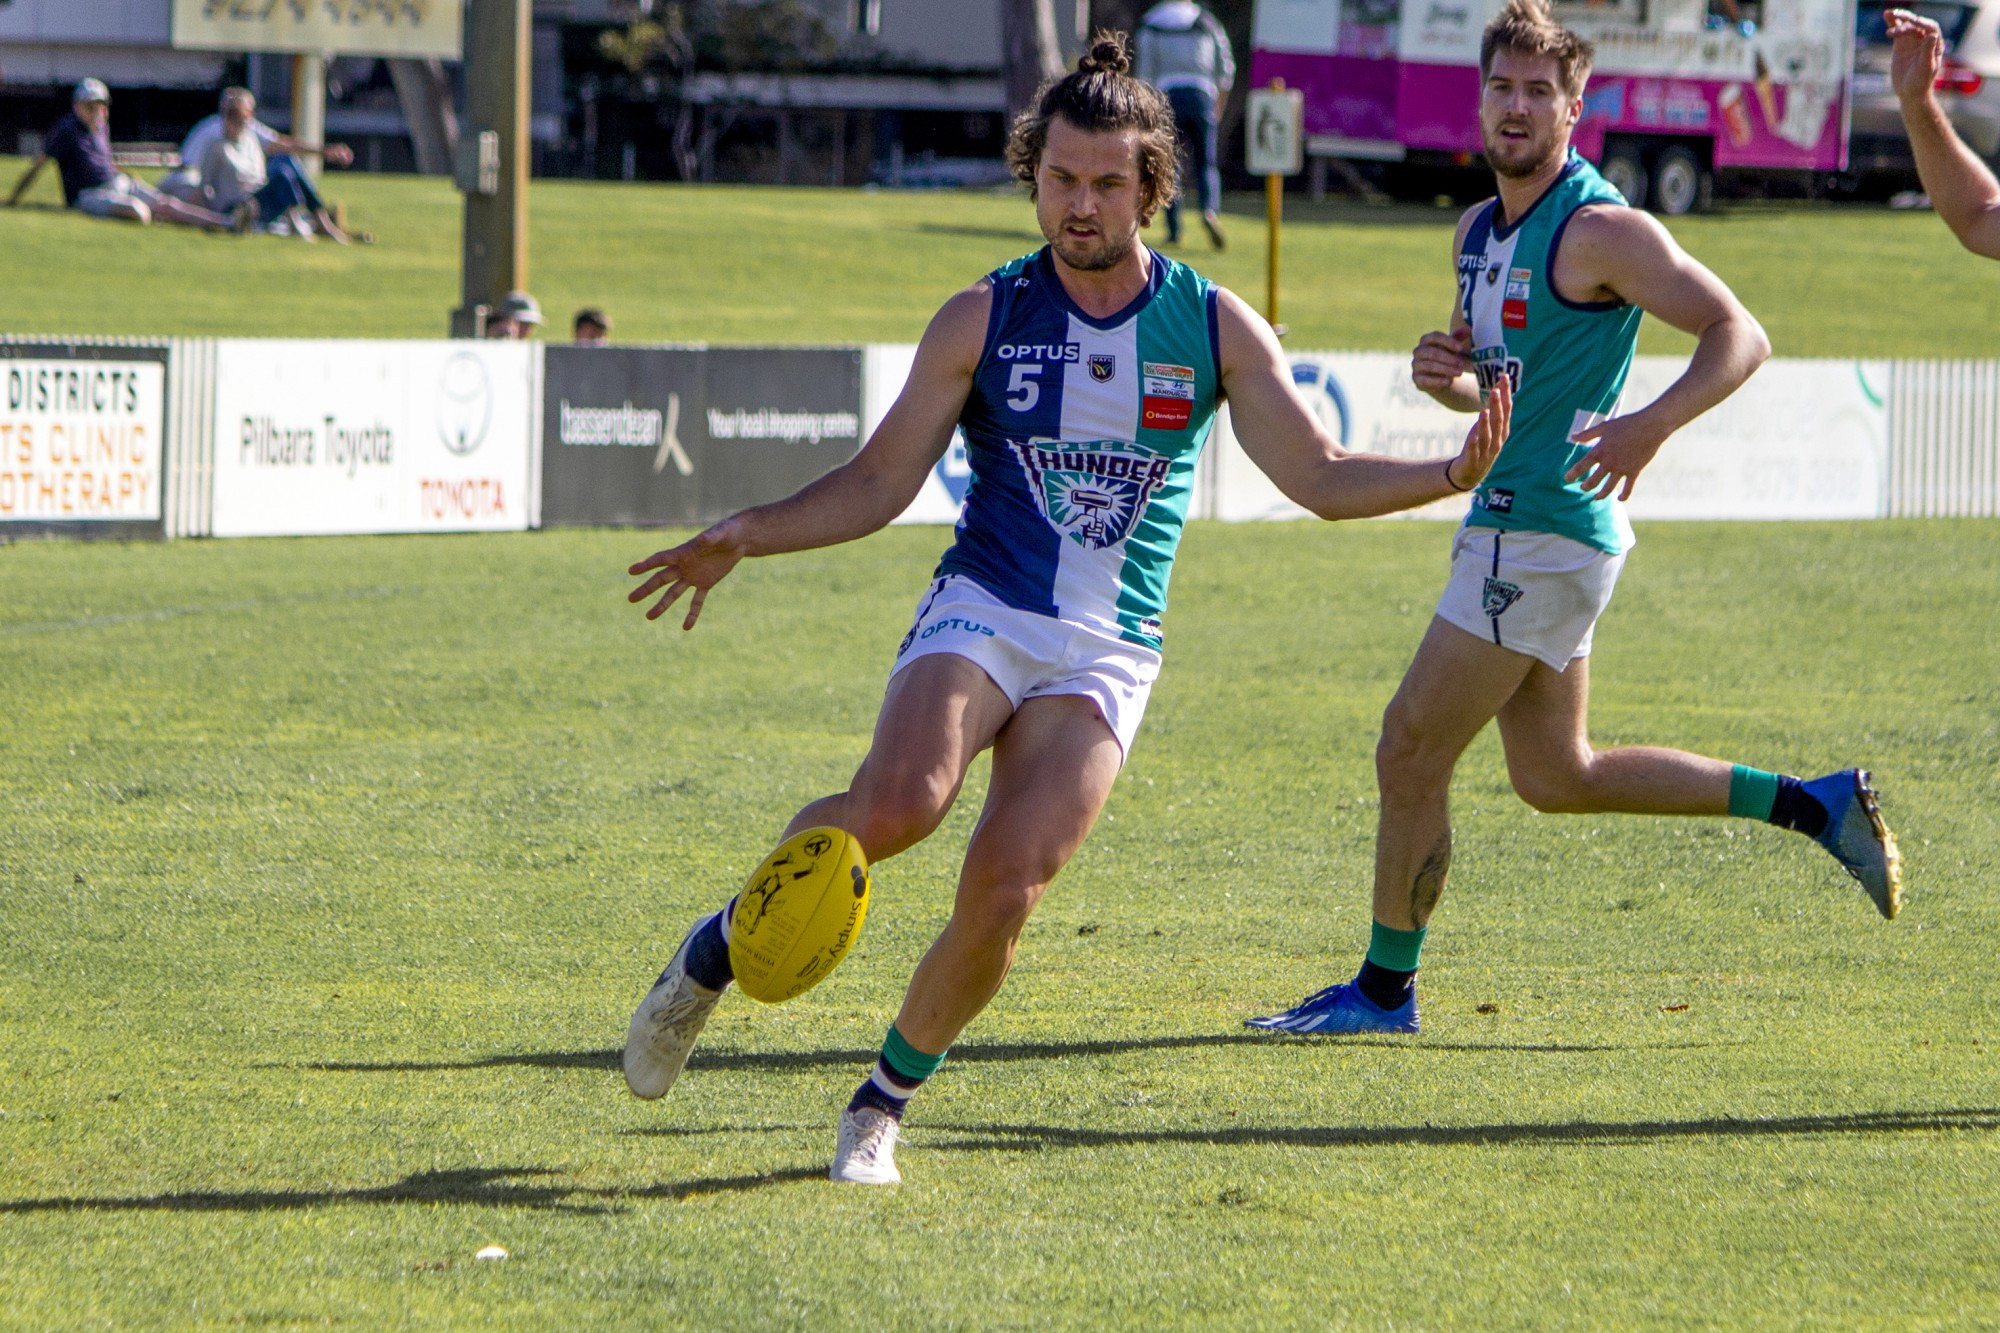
651 436
335 27
348 437
82 438
1801 440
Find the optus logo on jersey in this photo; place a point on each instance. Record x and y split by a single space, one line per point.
1038 352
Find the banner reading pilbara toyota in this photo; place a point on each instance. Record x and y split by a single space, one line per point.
350 437
81 434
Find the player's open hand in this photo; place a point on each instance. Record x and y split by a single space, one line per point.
1917 56
1440 358
1621 448
697 564
1483 441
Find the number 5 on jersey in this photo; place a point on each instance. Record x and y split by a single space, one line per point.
1022 390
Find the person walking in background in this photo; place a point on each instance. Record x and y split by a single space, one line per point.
1184 52
1961 187
592 328
80 146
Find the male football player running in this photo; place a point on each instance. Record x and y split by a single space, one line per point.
1085 377
1553 275
1961 187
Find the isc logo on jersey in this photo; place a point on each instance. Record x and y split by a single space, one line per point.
1090 492
1167 401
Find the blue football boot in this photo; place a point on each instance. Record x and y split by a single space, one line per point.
1858 837
1341 1008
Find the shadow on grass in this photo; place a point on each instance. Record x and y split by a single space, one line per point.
1038 1138
972 1053
497 1187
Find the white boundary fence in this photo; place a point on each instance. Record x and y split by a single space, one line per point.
1803 440
1944 440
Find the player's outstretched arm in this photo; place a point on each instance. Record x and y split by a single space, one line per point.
856 498
1626 254
1284 439
1961 187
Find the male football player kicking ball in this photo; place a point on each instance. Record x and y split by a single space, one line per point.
1085 377
1552 277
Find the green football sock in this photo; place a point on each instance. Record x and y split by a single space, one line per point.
1395 950
1752 792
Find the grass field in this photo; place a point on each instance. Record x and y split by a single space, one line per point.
725 264
331 870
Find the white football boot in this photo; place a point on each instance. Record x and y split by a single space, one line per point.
665 1026
866 1154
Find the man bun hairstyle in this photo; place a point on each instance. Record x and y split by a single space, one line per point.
1099 95
1526 28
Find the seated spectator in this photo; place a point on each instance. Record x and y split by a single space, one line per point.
235 174
593 328
80 145
517 316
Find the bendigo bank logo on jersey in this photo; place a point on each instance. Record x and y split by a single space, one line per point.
1514 303
1092 492
1167 401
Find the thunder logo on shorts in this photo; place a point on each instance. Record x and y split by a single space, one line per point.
1082 436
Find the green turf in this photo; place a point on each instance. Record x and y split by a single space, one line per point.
331 870
727 264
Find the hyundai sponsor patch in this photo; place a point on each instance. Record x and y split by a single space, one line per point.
1167 401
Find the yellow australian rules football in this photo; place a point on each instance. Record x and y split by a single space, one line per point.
799 914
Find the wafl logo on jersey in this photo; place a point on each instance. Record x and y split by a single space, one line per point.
1091 492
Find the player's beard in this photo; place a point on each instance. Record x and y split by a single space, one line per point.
1106 253
1518 158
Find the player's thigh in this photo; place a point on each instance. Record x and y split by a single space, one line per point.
939 712
1455 686
1054 765
1545 727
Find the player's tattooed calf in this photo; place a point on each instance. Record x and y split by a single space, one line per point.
1428 886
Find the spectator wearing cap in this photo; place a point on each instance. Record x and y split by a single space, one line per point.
274 160
592 328
80 146
517 316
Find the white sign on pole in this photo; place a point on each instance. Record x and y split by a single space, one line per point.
350 437
336 27
80 440
1274 122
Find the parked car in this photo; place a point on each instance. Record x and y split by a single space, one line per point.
1968 86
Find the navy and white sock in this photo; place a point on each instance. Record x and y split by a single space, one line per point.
708 952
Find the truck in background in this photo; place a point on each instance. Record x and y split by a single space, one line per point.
1682 89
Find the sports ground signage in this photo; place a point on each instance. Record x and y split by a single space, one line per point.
338 27
82 438
350 437
652 436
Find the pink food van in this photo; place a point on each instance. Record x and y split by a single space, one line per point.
1682 88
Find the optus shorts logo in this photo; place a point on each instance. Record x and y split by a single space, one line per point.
1092 493
464 403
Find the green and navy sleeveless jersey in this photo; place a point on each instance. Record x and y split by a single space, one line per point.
1567 359
1082 436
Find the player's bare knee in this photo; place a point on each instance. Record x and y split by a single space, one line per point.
999 910
1552 789
1405 757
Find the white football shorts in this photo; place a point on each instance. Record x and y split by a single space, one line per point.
1530 592
1029 655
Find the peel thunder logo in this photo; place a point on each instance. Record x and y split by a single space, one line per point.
1498 596
1090 492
